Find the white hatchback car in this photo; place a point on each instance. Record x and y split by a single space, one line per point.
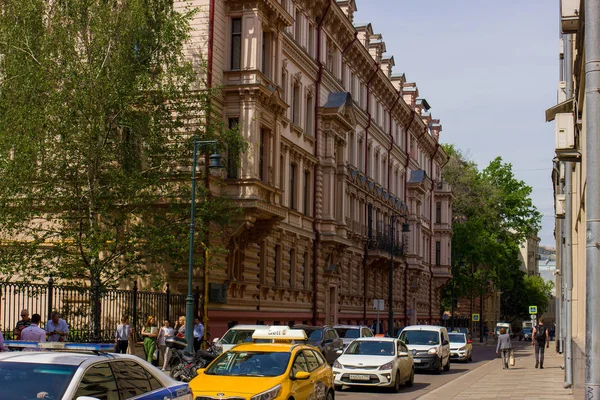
430 346
374 361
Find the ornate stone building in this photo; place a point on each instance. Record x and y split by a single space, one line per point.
342 153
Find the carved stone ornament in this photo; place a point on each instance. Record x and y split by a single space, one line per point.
297 78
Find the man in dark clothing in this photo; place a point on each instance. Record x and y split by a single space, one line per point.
22 324
539 339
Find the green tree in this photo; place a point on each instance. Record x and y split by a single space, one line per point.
98 106
493 214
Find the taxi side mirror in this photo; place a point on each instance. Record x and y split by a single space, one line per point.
339 352
302 375
402 354
215 340
87 398
200 371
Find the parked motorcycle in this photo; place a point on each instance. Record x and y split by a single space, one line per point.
184 365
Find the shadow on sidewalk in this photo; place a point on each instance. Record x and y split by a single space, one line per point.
370 389
452 371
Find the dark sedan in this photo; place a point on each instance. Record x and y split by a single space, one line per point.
325 338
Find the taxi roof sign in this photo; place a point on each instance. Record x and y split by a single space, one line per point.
279 334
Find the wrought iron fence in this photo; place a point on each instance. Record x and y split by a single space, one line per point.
92 314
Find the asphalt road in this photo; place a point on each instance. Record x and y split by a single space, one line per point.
425 382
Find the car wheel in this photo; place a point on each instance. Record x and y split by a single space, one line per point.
447 366
411 380
438 369
396 387
470 357
338 388
329 395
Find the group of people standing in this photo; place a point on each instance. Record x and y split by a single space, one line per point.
154 339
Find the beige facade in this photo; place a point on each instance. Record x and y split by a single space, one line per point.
569 178
342 153
528 254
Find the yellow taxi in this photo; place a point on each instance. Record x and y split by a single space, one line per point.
284 369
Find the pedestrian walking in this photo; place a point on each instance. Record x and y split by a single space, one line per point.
150 334
540 341
486 333
165 332
198 333
23 323
504 346
57 328
122 335
33 333
131 339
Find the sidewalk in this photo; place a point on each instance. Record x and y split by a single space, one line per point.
523 381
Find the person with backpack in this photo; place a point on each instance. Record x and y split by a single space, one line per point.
540 341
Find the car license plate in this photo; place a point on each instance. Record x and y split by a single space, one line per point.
417 360
359 377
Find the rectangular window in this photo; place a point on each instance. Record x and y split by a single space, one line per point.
306 204
233 153
236 43
296 105
309 128
438 252
311 40
262 155
277 268
292 186
298 26
292 268
306 270
266 54
438 212
284 85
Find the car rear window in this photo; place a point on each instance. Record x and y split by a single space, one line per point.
27 380
348 333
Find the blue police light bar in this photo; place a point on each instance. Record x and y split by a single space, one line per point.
105 347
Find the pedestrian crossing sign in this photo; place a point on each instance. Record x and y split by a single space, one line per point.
532 309
475 317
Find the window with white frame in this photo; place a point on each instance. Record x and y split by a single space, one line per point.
309 124
296 104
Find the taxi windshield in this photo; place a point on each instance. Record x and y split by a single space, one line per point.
371 348
28 380
457 338
246 363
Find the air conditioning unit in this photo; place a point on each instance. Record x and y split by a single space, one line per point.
569 13
560 205
562 92
565 131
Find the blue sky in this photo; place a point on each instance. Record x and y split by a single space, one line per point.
489 70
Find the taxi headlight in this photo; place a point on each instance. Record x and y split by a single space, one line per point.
432 350
268 395
387 365
336 364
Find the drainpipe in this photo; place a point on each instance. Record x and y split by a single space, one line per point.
568 231
316 167
592 120
412 118
211 37
366 250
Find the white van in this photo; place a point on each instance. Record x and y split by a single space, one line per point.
236 335
430 346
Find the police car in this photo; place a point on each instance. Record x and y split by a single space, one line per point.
284 369
82 372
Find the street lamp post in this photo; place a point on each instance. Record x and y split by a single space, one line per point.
405 228
215 162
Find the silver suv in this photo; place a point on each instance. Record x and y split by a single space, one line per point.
350 332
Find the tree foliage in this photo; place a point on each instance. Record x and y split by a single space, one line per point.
493 215
98 105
